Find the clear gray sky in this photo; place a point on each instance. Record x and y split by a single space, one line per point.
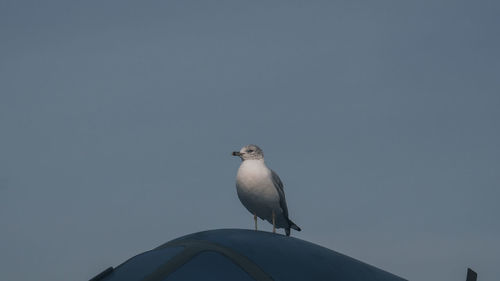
117 120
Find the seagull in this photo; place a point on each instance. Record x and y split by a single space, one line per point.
260 189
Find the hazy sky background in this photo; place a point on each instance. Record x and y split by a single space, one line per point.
117 120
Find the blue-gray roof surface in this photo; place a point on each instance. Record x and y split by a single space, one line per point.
260 255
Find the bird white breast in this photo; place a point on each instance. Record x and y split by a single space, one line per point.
256 189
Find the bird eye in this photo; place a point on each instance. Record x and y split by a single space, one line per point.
250 150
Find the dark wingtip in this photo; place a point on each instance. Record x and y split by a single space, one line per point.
293 225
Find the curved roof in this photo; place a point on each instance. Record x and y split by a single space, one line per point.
235 254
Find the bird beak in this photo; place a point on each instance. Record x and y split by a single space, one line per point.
236 153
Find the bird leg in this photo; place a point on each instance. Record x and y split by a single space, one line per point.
255 219
274 222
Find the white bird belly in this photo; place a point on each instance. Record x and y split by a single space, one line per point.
256 190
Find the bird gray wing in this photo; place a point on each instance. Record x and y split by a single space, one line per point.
281 192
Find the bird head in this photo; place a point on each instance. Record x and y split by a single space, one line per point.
249 152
